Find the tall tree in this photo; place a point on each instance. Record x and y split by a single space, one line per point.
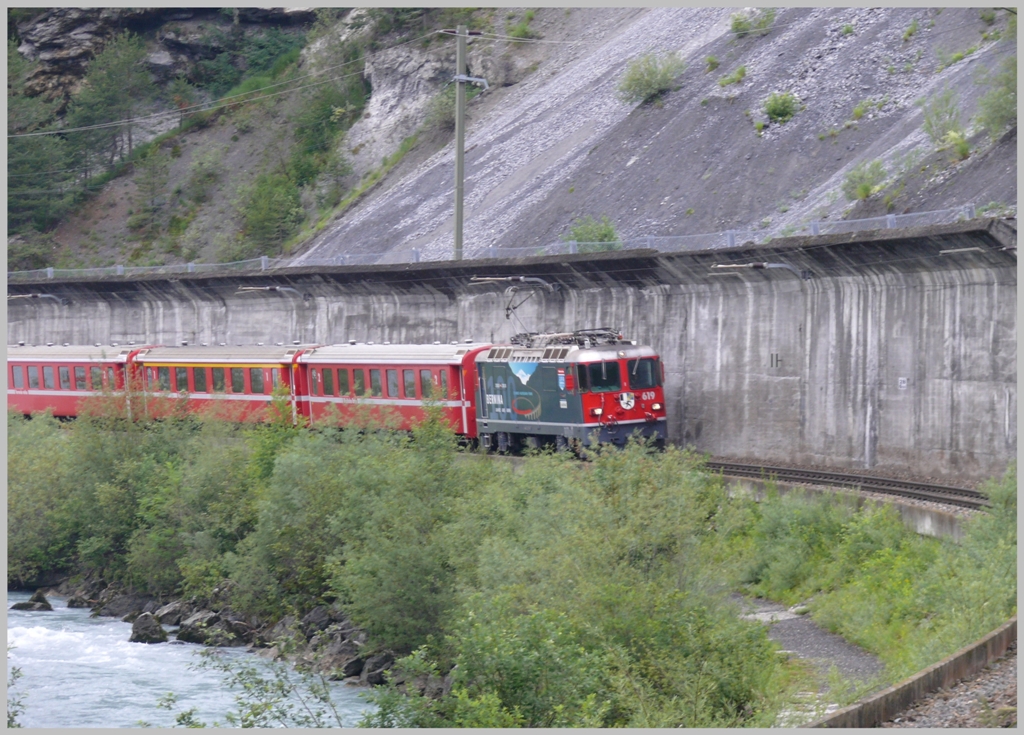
38 181
116 88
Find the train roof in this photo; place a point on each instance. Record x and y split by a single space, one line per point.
565 353
70 353
370 353
243 354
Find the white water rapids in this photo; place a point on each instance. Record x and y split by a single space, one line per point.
79 671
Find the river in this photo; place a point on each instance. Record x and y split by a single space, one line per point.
79 671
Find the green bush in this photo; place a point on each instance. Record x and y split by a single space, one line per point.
998 108
712 63
593 235
941 116
781 107
864 179
649 77
757 24
734 78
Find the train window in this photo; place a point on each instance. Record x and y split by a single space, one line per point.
444 384
48 377
218 380
342 381
96 375
409 378
314 382
392 383
18 375
256 379
111 383
275 377
181 380
65 377
199 380
79 378
33 377
163 378
375 388
426 384
237 380
359 379
604 376
643 373
329 382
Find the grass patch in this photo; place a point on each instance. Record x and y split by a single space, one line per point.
649 77
780 107
911 30
863 180
758 24
735 78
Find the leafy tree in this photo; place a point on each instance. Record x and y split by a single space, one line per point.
998 108
271 211
152 173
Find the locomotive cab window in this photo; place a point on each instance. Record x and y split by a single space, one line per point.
444 384
18 377
314 382
163 378
111 382
33 377
604 376
329 382
65 377
643 373
79 378
375 386
218 380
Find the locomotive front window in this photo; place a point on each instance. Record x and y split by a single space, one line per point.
33 377
604 376
256 379
48 377
375 382
18 374
444 384
181 380
199 379
79 378
409 379
275 378
329 382
96 375
111 383
359 378
237 380
643 373
392 383
342 381
426 384
65 377
218 380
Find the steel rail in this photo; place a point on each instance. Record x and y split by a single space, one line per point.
899 488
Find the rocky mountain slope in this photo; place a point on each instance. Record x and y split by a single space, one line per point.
550 140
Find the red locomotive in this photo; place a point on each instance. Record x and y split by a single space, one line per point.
539 389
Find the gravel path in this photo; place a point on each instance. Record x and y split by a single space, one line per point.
988 700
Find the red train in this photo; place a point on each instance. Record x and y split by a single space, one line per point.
538 389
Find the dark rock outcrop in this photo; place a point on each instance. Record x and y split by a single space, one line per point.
374 668
147 629
36 603
78 601
195 628
171 613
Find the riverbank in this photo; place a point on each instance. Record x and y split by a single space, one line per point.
81 671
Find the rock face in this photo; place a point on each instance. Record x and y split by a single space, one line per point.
194 629
171 613
36 603
147 629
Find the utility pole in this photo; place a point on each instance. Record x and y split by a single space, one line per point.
460 133
460 79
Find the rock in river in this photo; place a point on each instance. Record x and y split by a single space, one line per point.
147 629
36 602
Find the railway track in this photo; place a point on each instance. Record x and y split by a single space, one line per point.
898 488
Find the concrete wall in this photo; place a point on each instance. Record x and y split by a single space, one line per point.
892 355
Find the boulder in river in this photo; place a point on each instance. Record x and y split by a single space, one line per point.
78 601
36 603
194 628
147 629
170 614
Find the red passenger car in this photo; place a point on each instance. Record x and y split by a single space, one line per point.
58 378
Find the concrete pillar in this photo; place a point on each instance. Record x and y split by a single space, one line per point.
263 262
814 228
890 221
49 272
